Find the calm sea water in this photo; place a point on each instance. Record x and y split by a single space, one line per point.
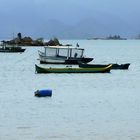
82 107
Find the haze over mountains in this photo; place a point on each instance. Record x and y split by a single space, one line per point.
70 19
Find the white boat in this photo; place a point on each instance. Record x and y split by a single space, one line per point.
63 55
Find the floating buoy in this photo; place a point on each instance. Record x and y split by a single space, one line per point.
43 93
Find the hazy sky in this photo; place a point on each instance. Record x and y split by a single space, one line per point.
17 14
68 9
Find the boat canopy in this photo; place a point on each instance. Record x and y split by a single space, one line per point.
66 51
63 47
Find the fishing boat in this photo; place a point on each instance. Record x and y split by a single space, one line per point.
114 66
11 48
63 55
121 66
106 69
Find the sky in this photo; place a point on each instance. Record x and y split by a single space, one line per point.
34 16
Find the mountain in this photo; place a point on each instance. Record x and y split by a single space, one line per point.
71 19
86 28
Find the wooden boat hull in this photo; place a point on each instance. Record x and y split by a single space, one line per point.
73 70
121 66
114 66
66 61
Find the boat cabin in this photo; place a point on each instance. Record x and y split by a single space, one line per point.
64 51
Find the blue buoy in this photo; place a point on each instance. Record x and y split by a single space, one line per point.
43 93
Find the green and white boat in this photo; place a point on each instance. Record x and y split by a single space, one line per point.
106 69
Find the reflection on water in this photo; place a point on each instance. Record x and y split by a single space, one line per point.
82 106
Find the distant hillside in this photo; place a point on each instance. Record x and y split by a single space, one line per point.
87 28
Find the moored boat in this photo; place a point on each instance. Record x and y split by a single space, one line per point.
63 55
106 69
114 66
12 49
121 66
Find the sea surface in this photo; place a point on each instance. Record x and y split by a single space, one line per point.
82 106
